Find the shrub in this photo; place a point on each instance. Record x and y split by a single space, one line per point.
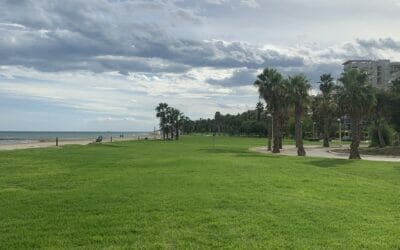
387 133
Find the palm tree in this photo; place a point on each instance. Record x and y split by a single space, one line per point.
298 94
186 124
174 118
272 89
218 118
356 99
260 109
178 124
395 112
381 113
162 114
327 105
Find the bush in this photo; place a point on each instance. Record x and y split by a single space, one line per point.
387 132
258 128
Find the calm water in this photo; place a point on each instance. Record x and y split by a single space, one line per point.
7 137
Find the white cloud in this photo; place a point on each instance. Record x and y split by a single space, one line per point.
115 60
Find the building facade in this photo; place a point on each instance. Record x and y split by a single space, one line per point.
381 72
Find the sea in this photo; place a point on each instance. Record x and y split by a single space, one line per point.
21 137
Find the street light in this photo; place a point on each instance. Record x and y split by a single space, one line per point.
340 131
272 126
313 129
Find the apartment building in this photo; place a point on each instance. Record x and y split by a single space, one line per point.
381 72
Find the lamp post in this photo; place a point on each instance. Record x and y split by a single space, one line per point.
340 131
313 129
272 126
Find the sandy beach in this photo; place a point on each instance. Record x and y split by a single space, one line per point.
46 144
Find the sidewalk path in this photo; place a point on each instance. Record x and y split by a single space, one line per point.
318 151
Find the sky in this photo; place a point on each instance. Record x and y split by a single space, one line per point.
104 65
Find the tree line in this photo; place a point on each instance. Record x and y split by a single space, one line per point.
352 98
290 111
171 121
249 123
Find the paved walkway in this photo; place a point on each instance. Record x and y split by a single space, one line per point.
317 151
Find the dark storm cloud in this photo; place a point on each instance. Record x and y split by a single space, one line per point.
240 77
140 36
386 43
114 35
246 77
314 72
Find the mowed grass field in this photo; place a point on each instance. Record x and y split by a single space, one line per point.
189 194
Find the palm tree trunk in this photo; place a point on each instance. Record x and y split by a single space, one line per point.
269 134
380 134
277 133
299 134
281 126
177 133
326 132
355 138
297 124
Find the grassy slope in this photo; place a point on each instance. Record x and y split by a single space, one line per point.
188 194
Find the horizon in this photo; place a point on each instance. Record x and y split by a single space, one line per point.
106 65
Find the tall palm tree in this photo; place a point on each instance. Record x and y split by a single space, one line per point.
218 118
395 100
272 89
178 123
161 110
174 117
327 104
381 113
298 95
356 99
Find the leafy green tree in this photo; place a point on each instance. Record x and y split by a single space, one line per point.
299 98
327 105
187 125
396 86
356 99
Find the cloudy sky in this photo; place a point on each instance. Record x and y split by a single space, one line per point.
105 64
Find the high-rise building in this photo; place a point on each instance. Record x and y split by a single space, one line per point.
380 72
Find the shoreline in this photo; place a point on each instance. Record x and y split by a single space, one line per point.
52 143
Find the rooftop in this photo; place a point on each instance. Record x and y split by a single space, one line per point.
362 61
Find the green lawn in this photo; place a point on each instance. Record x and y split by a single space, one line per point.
188 194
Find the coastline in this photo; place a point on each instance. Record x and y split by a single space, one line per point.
52 143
